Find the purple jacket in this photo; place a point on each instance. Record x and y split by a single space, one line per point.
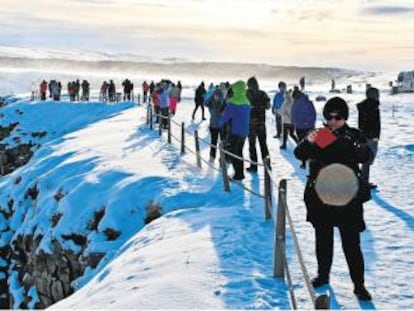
303 113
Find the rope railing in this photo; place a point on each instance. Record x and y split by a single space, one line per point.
281 267
319 301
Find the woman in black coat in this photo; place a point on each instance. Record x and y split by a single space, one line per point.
349 149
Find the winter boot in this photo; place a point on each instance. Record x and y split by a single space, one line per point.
319 281
362 293
252 169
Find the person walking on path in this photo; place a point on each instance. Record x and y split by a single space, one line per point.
277 104
42 90
174 98
348 148
369 123
238 112
302 83
286 114
199 100
303 115
215 107
164 96
259 103
85 90
145 89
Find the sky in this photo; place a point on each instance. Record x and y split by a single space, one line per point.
210 249
357 34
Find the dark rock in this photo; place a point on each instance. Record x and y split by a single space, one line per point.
55 219
59 195
98 215
39 134
78 239
32 192
57 291
111 234
94 258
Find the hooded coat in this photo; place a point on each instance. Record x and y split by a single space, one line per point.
369 118
259 103
237 110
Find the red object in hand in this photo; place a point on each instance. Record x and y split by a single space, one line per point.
324 138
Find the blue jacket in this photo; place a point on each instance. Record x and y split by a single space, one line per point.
215 106
240 116
303 113
237 110
277 101
164 97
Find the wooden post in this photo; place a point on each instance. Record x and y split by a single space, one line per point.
169 129
267 189
150 116
223 165
197 147
160 123
182 138
280 234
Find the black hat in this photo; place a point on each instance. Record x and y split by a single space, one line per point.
336 105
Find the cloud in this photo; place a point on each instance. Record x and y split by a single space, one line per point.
388 10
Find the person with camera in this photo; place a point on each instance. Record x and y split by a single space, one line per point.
336 144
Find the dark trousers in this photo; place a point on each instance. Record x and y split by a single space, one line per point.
199 104
278 124
324 237
214 134
301 134
157 112
165 111
237 144
288 129
373 146
257 132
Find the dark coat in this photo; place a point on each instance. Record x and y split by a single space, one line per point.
259 103
369 118
349 149
199 94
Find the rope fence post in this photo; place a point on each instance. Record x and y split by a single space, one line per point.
223 165
160 121
197 147
182 138
267 189
169 129
150 117
280 236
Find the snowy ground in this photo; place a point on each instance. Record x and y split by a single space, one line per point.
214 250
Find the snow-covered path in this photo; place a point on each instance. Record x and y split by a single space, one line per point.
228 231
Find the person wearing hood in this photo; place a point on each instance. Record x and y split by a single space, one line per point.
237 111
369 123
199 100
259 103
215 105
